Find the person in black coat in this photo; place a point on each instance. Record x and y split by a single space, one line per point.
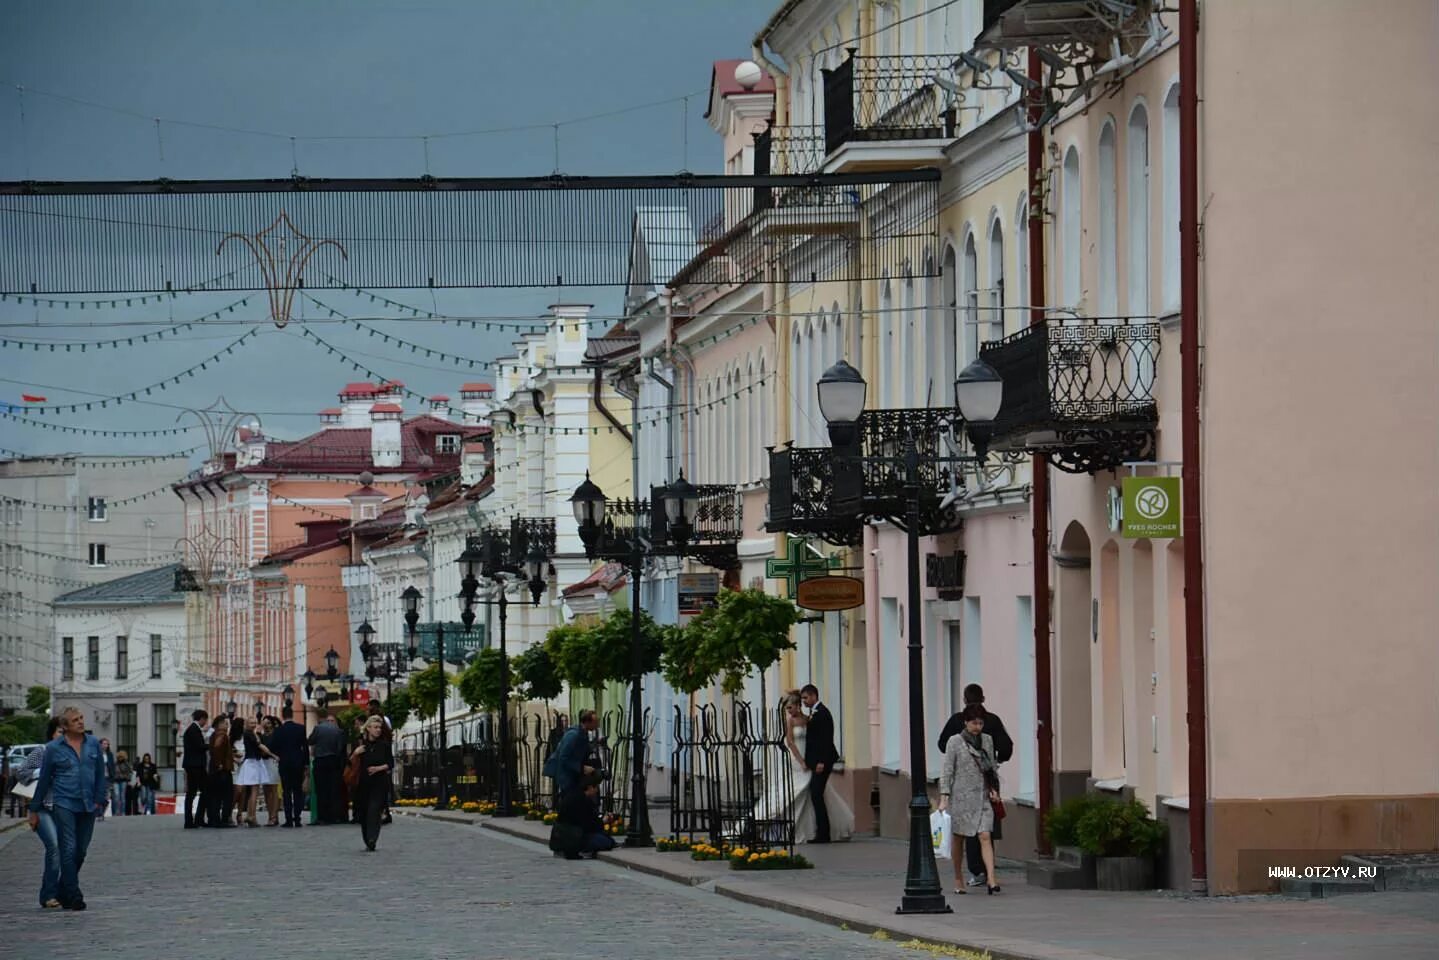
372 790
1003 750
194 760
290 747
578 830
820 756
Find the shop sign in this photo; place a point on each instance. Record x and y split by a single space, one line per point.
830 593
697 591
1151 507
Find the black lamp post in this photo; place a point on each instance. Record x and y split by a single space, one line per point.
680 503
259 710
411 599
841 389
332 664
287 696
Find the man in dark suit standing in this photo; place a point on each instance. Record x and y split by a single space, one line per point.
293 752
820 756
330 749
193 760
1003 750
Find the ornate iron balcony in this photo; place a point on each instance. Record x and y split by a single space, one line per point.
713 539
802 479
460 644
945 573
1082 392
889 98
525 531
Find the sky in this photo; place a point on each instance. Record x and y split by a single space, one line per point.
377 77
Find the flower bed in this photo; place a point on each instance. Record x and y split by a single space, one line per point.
742 859
704 851
674 845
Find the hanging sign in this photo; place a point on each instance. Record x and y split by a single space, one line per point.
798 564
830 593
697 591
1151 507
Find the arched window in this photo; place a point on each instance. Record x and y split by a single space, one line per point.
934 320
948 321
796 388
731 407
765 391
1136 198
1021 260
997 313
749 425
905 369
888 375
1169 171
1069 292
1108 224
837 349
970 300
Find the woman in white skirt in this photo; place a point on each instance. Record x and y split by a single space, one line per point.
254 774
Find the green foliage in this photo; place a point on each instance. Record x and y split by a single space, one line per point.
745 630
536 673
482 682
345 718
37 699
427 688
589 657
398 708
1061 823
22 729
1112 829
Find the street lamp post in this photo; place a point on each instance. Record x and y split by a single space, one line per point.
411 599
680 505
841 389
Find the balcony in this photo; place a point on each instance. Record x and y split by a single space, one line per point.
805 210
1083 393
1062 24
888 113
802 497
713 539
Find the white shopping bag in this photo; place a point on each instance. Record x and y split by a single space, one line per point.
939 833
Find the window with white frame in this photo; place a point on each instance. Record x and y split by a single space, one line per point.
970 299
156 656
941 340
1070 231
95 510
97 555
1136 198
126 732
1169 171
122 658
1108 223
447 443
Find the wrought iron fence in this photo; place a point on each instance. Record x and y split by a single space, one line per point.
732 778
889 98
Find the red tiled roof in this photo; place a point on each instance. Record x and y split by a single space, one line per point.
347 449
478 387
609 578
331 412
393 384
387 408
440 398
360 389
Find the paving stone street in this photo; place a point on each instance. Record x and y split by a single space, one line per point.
433 890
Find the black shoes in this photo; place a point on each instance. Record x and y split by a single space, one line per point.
370 847
74 905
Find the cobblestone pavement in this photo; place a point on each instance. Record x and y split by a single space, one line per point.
433 890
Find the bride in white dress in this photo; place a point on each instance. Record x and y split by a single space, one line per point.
792 799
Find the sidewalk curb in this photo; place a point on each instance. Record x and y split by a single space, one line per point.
16 825
828 918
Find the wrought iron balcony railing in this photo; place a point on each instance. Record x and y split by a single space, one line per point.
802 479
1081 392
460 644
717 529
526 531
889 98
794 150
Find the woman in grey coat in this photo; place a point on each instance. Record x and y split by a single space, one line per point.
968 784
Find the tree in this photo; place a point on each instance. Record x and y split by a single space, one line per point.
427 689
398 708
590 657
535 670
37 699
482 682
745 630
345 718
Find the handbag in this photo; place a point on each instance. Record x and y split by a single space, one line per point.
26 790
991 782
351 775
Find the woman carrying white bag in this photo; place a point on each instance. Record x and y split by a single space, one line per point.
939 832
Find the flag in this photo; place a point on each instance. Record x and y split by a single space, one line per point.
31 398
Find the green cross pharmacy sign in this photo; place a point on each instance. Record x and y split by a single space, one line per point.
798 564
1151 507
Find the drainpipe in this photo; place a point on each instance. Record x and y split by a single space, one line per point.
1039 494
1194 640
600 406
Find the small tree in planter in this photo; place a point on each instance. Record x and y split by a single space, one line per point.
427 688
744 631
590 657
1124 840
398 708
535 671
481 684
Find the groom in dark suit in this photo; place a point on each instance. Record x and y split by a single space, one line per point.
820 756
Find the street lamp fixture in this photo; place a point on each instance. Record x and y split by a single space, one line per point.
259 709
287 696
365 632
322 697
535 564
588 502
230 707
681 505
979 391
332 664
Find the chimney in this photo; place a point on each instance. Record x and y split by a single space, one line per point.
569 334
474 460
331 416
385 423
365 500
440 407
477 402
355 402
390 391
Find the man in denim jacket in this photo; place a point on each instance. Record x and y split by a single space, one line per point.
72 775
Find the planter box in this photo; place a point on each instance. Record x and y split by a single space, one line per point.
1084 862
1124 873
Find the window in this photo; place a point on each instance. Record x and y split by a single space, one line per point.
1136 163
887 346
971 300
155 657
97 555
1169 170
1021 260
92 659
996 281
1108 225
125 729
447 443
67 658
122 658
97 509
1070 231
164 735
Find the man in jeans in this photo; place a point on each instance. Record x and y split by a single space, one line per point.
328 747
72 775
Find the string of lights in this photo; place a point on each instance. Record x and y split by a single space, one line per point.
80 346
119 302
101 461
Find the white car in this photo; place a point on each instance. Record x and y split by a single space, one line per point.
17 754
